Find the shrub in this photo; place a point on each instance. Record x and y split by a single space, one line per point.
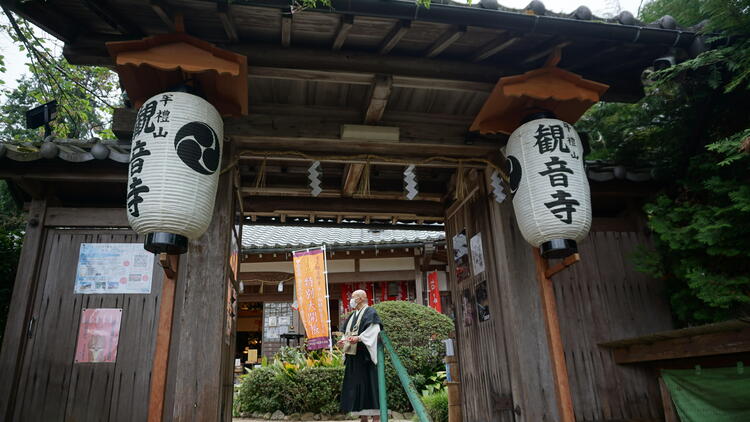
259 391
416 332
316 390
437 406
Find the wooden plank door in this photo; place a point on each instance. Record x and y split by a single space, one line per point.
51 386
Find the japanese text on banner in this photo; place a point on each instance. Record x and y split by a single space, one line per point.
310 281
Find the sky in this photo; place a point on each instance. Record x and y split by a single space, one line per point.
16 67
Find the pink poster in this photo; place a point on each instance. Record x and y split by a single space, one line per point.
98 335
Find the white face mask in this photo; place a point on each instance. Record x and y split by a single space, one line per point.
352 303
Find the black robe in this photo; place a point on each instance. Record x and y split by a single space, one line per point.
360 388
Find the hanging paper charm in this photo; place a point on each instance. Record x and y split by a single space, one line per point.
174 170
497 187
551 192
410 182
313 173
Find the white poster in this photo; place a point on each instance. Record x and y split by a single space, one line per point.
114 268
477 254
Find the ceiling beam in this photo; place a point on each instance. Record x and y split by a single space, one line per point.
545 52
351 178
400 29
223 8
445 41
47 17
347 21
305 192
314 133
164 12
493 47
286 29
366 78
336 206
103 9
380 91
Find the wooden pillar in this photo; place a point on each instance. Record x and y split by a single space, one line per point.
194 389
554 339
19 321
163 338
418 284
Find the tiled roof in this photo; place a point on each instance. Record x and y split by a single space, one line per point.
270 237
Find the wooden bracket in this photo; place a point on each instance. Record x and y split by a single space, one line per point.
169 263
567 262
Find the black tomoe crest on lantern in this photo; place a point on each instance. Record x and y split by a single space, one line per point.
173 172
198 147
551 192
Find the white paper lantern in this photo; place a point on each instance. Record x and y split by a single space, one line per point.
552 200
174 170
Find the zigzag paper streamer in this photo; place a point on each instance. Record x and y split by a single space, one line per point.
410 182
313 173
497 187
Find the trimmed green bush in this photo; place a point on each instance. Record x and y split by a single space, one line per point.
259 391
416 332
314 390
437 406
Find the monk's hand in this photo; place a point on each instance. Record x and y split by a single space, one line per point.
340 343
354 339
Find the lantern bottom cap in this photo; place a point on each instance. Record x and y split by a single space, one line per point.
170 243
558 248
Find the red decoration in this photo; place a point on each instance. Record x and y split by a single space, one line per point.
346 294
434 288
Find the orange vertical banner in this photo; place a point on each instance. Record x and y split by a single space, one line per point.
434 287
312 296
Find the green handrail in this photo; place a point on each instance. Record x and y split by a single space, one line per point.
403 376
382 395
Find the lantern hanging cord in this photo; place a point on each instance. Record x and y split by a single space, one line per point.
367 158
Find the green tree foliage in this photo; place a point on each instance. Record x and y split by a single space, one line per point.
11 239
693 128
85 95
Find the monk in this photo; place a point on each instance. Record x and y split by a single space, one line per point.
359 393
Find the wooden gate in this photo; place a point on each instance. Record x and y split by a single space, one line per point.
483 346
41 382
48 385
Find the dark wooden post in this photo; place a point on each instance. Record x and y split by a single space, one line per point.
19 324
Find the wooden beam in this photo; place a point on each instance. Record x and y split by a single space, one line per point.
223 8
350 179
347 21
305 192
164 12
335 206
556 347
372 276
46 17
546 52
83 217
397 32
493 47
721 343
366 78
670 412
163 339
380 91
104 10
445 41
286 29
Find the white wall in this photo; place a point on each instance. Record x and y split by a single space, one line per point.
386 264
